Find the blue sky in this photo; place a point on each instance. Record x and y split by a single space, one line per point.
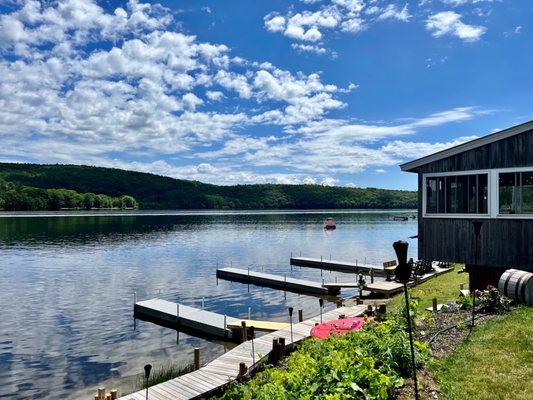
335 92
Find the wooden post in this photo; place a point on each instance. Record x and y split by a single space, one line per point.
244 332
101 393
300 315
462 286
242 369
434 303
371 275
339 303
114 394
274 352
196 358
108 396
281 343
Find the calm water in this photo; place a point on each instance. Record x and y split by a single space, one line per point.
67 286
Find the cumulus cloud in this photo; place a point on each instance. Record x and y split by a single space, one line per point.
449 23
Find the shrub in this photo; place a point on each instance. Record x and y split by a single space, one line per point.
491 301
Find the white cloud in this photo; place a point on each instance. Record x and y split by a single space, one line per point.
449 23
308 48
407 150
214 95
392 12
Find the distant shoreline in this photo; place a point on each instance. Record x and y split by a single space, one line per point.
155 213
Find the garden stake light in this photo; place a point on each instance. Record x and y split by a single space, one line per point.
403 273
321 302
252 334
147 369
477 230
290 318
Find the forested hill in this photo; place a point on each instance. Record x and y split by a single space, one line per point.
159 192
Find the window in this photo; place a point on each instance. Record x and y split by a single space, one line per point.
457 194
515 192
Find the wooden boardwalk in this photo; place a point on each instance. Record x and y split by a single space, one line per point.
384 287
275 281
225 369
340 266
163 312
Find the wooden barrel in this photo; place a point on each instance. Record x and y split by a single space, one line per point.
518 285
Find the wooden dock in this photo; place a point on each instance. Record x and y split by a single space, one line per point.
225 369
190 319
340 266
384 287
275 281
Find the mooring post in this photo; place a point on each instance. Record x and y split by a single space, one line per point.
242 369
196 358
244 332
274 352
281 342
300 315
114 394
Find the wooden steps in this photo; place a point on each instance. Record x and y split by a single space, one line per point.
218 373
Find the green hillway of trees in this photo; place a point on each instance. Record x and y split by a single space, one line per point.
152 191
14 197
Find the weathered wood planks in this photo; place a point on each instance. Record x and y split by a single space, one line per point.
218 373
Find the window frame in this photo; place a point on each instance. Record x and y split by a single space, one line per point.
425 214
493 194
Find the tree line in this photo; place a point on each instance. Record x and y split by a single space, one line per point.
159 192
15 197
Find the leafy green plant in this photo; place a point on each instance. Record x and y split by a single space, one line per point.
491 301
367 364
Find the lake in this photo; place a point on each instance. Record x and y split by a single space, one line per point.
68 283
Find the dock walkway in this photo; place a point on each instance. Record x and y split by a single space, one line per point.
275 281
340 266
163 312
225 369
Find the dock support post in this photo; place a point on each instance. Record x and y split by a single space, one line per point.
244 332
300 315
242 369
196 358
114 394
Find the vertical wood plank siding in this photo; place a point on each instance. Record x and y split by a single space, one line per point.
504 243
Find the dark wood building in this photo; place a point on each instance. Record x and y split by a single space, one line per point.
489 179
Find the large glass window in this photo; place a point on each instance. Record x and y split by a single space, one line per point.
515 192
458 194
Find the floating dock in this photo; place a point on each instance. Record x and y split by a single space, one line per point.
275 281
182 317
340 266
225 369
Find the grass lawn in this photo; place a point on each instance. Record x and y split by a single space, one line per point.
496 362
444 287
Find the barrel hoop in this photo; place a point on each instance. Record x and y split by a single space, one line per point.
526 277
517 291
507 282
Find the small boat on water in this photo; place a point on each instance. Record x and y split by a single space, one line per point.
329 223
400 218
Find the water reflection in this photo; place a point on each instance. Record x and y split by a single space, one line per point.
68 282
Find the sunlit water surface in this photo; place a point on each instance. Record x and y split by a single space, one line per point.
67 284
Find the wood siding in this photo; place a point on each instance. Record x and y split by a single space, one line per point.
503 243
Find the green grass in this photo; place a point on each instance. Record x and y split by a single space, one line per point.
444 287
496 362
164 373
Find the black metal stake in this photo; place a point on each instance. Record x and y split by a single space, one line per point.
321 302
147 369
477 230
407 311
403 274
251 329
290 318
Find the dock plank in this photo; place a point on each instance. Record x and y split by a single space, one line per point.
336 265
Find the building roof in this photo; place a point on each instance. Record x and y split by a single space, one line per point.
482 141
